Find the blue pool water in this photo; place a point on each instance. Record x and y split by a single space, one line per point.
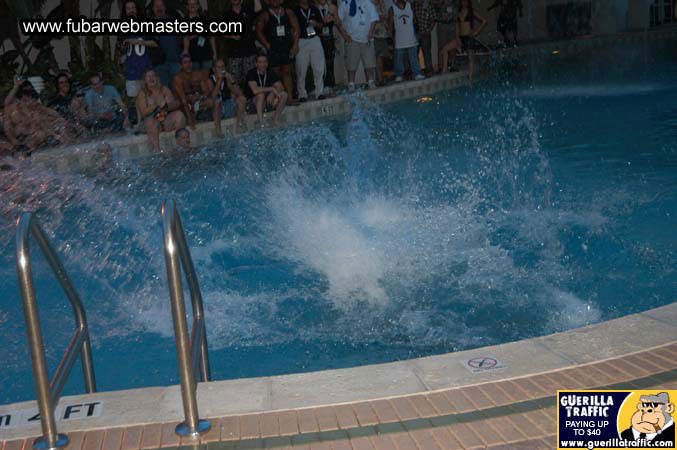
542 200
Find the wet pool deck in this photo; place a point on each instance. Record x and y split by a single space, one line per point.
426 403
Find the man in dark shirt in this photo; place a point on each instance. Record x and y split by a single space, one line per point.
241 48
70 106
170 46
265 88
278 31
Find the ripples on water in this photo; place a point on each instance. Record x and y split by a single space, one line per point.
399 231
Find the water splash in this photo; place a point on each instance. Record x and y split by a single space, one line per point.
417 237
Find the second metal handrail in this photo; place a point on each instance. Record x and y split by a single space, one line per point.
48 393
192 352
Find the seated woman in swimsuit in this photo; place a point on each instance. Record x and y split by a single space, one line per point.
159 109
465 36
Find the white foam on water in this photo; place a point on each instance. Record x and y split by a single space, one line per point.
569 311
321 236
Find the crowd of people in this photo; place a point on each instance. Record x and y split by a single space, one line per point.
172 82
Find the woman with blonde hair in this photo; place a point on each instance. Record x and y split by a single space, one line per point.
158 108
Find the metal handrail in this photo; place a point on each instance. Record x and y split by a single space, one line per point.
48 393
191 352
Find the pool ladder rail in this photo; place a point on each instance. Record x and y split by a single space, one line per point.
48 393
192 351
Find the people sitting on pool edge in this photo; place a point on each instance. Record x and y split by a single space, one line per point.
227 96
158 108
105 109
192 88
266 90
69 104
277 29
28 124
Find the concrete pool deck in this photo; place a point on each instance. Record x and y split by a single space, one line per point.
425 403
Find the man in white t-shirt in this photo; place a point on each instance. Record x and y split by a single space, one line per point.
358 20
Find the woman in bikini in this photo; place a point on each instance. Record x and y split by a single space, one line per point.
159 108
465 37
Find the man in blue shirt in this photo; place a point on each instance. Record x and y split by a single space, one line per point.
136 51
105 108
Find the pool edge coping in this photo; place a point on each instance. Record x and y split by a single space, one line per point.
425 375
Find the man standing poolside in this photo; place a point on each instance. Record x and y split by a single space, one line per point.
358 20
241 48
310 50
170 46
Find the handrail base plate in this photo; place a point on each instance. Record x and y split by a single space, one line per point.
203 426
41 443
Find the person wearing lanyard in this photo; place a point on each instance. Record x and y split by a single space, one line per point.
329 15
358 19
278 31
310 50
227 97
265 88
241 49
202 49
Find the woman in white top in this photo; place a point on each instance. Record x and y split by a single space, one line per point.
401 24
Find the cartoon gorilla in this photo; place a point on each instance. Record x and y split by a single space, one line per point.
652 420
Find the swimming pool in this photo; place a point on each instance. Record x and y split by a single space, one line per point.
542 200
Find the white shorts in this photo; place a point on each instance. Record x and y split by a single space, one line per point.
133 87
